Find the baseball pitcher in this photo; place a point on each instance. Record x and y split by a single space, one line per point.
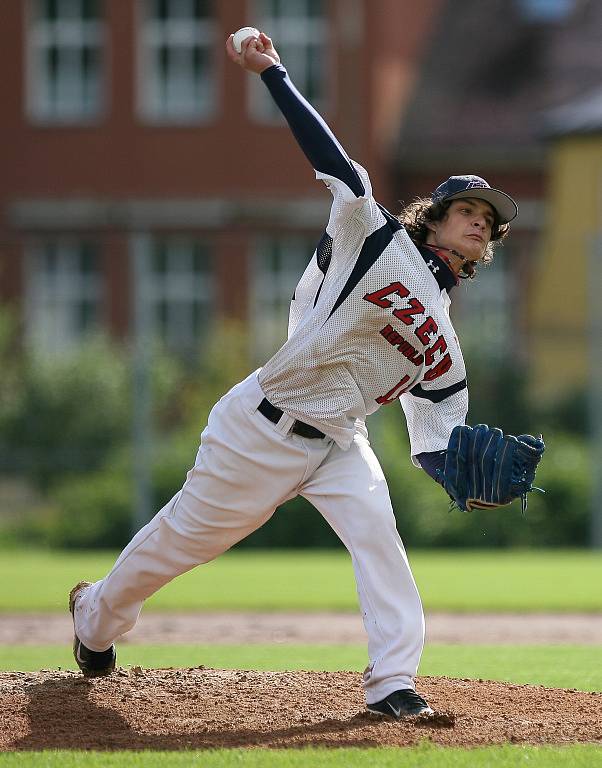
369 325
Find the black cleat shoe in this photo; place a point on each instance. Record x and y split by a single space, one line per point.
402 703
91 663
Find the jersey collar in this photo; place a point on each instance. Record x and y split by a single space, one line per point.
436 261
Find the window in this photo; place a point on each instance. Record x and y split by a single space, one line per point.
65 60
483 311
299 29
179 288
277 267
64 293
546 10
177 39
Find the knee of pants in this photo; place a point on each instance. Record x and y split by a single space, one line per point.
372 519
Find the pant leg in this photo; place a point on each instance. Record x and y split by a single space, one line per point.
244 469
350 491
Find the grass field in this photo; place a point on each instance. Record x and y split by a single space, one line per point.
424 756
562 581
557 666
313 580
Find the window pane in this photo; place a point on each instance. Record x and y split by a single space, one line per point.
178 39
90 9
181 9
300 31
547 10
65 290
180 289
69 9
87 315
202 9
160 258
315 8
159 9
65 45
278 263
481 311
50 9
49 259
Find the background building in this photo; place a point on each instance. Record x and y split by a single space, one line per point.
127 131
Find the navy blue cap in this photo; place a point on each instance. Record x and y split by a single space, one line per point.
457 187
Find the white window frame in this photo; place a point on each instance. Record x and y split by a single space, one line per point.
70 34
53 299
181 34
178 288
271 292
293 34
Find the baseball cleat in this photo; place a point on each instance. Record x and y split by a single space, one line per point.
402 703
91 663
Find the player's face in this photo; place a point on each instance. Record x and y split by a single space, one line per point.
466 228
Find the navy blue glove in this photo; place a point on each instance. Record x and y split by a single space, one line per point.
485 468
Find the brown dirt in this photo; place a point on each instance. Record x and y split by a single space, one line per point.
328 627
206 708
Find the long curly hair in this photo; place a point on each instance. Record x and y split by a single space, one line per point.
416 216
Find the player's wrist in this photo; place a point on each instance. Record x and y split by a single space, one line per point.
266 66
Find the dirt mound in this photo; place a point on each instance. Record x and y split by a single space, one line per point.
208 708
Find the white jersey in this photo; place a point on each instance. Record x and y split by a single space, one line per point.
369 324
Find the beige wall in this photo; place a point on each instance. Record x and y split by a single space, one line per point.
561 305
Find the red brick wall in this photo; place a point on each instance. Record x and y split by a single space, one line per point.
228 157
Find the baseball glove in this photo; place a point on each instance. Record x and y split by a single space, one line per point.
485 469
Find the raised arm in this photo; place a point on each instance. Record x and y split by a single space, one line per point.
313 135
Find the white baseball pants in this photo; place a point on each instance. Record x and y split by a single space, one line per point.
245 468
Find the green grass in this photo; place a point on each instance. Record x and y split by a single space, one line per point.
424 756
322 580
555 666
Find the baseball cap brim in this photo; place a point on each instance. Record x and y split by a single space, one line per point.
503 204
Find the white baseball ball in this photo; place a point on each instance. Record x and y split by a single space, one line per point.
241 35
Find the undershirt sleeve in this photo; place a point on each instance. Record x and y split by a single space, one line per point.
313 135
433 463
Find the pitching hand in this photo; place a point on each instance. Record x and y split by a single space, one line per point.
257 54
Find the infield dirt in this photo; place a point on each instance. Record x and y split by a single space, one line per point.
208 708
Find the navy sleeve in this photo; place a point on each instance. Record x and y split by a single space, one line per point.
315 138
433 463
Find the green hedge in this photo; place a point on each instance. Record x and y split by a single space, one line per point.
95 509
65 427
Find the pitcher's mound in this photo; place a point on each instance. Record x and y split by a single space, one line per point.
208 708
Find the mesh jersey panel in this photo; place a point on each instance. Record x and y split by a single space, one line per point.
343 357
324 252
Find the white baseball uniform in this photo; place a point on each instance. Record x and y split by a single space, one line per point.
369 324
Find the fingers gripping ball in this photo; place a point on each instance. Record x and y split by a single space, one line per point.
485 468
241 35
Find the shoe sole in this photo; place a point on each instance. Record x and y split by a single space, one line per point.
401 715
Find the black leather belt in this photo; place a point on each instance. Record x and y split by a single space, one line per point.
299 427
